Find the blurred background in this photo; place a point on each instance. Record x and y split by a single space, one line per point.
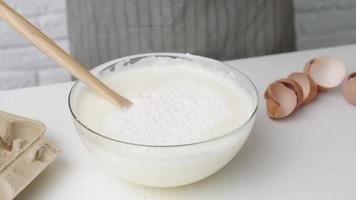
318 23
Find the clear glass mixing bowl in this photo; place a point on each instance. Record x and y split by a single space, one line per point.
164 166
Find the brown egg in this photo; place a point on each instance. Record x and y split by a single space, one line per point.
349 88
309 88
282 98
326 71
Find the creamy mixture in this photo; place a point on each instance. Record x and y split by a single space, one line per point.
172 104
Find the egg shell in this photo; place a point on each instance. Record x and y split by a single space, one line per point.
349 88
326 71
296 88
282 98
308 86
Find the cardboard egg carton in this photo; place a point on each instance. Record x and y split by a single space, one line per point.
24 153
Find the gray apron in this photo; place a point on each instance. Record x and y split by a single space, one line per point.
100 30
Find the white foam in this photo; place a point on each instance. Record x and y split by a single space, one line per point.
179 112
173 104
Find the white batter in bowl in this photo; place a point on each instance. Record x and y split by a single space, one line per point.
190 116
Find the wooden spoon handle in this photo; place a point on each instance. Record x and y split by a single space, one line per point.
47 46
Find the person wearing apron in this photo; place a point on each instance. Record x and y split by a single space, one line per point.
101 30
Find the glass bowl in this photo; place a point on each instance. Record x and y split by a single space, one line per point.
171 165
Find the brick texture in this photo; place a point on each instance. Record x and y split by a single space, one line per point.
17 78
22 65
319 23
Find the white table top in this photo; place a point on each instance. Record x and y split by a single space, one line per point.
311 155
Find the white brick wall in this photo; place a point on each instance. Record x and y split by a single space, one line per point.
318 23
322 23
22 65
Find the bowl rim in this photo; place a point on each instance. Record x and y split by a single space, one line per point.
105 65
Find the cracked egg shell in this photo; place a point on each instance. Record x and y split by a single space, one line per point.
296 88
326 71
282 98
349 88
308 86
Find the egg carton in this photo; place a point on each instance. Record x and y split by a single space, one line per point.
25 152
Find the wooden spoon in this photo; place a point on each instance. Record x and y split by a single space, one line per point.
50 48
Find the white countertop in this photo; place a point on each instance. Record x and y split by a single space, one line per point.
310 155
